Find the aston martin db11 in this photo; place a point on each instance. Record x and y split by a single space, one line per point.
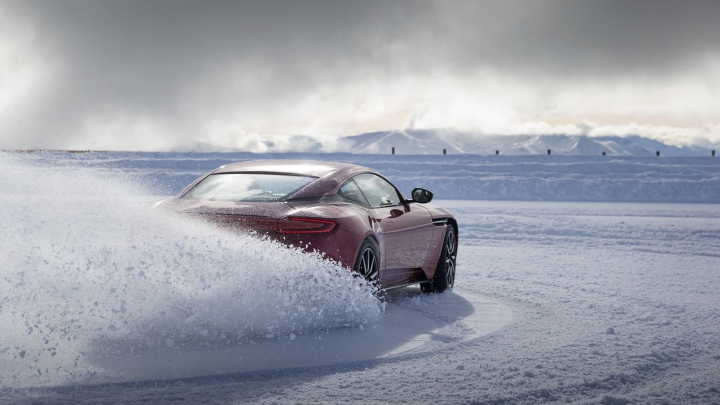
347 213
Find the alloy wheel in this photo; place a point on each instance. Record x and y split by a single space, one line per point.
369 264
450 259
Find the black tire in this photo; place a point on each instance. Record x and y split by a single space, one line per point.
367 262
444 277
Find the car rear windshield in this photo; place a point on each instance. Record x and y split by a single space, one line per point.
255 187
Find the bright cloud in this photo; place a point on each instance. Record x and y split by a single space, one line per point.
165 76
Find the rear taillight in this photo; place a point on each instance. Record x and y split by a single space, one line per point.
305 225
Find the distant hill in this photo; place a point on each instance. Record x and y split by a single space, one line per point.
432 142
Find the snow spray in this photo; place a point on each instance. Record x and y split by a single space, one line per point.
88 269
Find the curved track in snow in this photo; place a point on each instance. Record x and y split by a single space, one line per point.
411 321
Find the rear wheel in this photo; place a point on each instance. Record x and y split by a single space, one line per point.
367 263
444 277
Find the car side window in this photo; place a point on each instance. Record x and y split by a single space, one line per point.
350 191
378 191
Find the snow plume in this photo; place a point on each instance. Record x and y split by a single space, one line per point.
88 271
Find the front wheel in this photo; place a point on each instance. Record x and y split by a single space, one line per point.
444 277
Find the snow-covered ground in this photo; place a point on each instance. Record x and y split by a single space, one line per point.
570 302
473 177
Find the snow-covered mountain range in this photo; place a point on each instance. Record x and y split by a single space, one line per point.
420 142
433 141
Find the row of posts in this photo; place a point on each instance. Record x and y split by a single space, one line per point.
497 152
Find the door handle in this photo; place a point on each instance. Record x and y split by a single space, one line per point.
389 223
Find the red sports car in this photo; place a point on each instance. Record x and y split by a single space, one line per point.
347 213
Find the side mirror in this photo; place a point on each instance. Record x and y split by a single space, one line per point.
422 196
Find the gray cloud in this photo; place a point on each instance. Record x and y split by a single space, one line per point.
181 69
585 37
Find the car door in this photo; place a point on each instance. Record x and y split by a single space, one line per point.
404 229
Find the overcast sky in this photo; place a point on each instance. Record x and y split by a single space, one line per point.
166 75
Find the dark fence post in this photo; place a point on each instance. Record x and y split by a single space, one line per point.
657 153
444 152
548 151
497 152
603 153
713 152
393 150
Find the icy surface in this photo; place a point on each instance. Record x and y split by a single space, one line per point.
409 324
472 177
612 303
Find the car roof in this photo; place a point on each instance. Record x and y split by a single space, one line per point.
331 175
314 168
